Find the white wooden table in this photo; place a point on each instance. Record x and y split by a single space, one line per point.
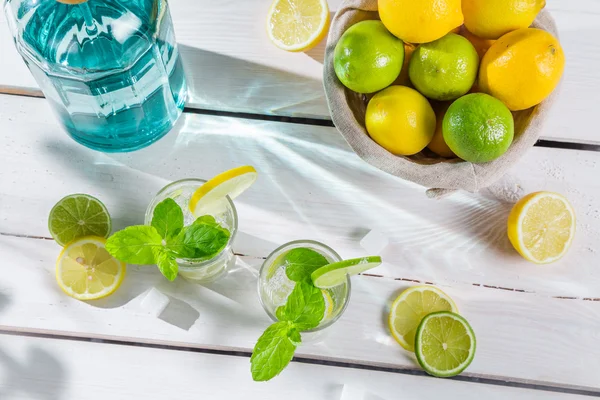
538 328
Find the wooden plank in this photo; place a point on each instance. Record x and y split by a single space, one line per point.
522 338
232 66
311 186
67 370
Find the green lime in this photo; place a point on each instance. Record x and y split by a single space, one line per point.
335 274
444 69
368 57
478 128
76 216
445 344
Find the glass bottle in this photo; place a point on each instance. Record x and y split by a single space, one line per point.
109 68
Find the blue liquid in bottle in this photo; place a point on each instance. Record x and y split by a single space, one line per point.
110 68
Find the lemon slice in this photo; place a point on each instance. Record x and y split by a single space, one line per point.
328 305
411 307
541 227
210 197
297 25
86 271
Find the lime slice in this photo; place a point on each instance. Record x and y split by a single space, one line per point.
445 344
86 271
76 216
335 274
409 309
210 197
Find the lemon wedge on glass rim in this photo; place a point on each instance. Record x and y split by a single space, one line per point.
86 271
297 25
541 227
210 197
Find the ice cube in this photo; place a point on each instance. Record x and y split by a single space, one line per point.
155 302
352 393
374 242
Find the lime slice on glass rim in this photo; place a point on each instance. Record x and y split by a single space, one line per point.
445 344
210 197
76 216
335 274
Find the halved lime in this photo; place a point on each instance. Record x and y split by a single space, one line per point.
445 344
335 274
77 216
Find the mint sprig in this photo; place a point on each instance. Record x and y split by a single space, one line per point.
274 350
304 309
167 239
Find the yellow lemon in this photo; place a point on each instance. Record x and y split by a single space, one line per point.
400 120
297 25
86 271
420 21
438 144
490 19
409 309
541 227
522 68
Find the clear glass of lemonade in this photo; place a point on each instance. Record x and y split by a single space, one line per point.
274 286
199 270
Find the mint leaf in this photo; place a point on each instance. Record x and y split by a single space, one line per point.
167 218
274 351
302 262
135 244
199 241
166 263
305 306
210 220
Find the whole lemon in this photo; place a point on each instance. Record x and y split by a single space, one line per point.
522 68
368 57
438 145
400 120
490 19
444 69
420 21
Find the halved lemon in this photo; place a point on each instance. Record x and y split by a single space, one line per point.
297 25
210 197
409 309
86 271
541 227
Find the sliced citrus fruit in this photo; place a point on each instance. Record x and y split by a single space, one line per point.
76 216
335 274
209 198
541 227
297 25
328 304
86 271
410 307
445 344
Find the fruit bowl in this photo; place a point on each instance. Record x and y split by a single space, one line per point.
441 175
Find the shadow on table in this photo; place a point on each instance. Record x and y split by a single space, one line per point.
224 83
40 376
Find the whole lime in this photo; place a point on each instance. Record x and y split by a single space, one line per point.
478 128
368 57
444 69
